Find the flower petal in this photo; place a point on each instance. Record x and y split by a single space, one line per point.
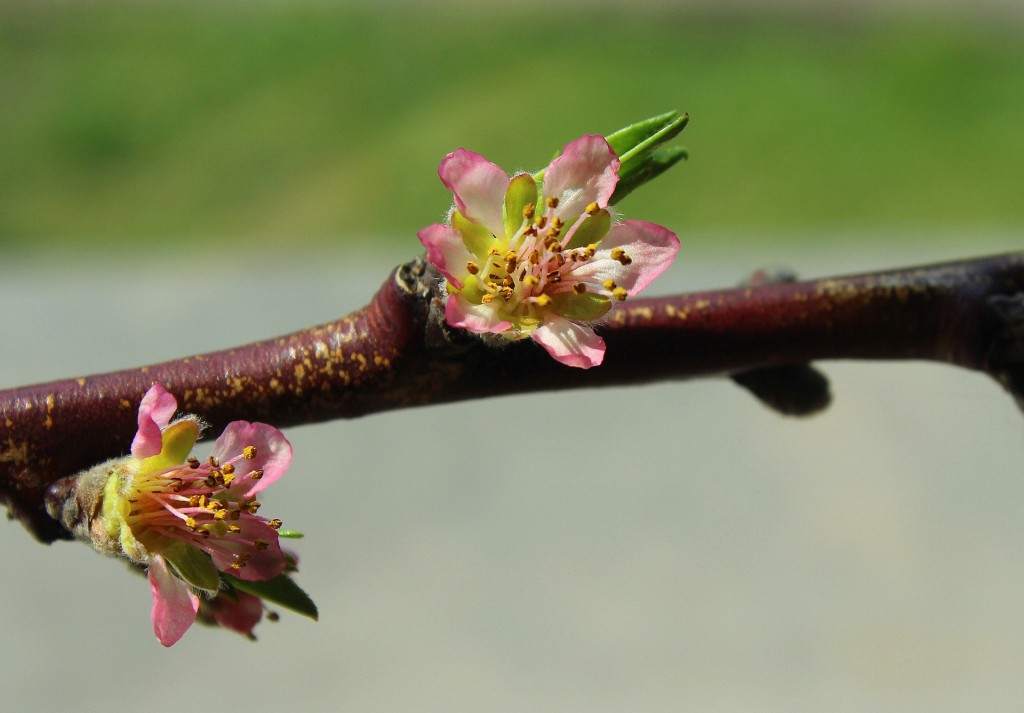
481 318
239 612
263 562
174 604
155 413
570 343
650 248
446 251
273 455
585 173
479 187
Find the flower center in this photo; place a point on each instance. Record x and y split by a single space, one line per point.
533 267
195 502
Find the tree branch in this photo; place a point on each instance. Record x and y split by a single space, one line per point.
397 352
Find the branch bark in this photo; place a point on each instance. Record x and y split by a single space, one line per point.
397 352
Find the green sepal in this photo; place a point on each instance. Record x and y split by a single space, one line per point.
581 308
477 238
522 191
193 565
280 590
653 165
649 133
290 534
592 230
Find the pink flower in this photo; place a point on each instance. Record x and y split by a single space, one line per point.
189 521
546 262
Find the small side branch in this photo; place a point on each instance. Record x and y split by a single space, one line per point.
397 352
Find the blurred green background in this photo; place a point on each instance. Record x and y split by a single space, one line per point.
311 123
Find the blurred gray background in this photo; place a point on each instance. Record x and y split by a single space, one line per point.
702 553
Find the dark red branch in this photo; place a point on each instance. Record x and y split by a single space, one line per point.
397 352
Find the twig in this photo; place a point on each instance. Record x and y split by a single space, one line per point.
397 352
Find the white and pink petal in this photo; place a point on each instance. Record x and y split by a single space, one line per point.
481 318
570 343
479 187
586 172
174 604
272 454
446 251
155 413
261 543
650 249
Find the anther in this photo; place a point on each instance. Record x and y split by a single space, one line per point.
249 452
228 469
487 299
540 221
213 462
579 288
543 300
620 255
620 294
531 280
528 210
494 251
256 474
193 462
551 202
220 514
262 544
609 284
275 523
592 208
190 523
472 268
234 528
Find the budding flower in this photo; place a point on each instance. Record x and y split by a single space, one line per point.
191 524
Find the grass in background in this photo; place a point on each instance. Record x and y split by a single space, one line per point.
253 123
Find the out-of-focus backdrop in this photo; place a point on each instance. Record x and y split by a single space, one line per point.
250 123
178 177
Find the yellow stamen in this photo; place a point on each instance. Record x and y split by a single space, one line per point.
472 268
609 284
249 452
543 300
275 523
592 208
552 202
228 469
193 462
528 210
620 294
531 280
256 474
